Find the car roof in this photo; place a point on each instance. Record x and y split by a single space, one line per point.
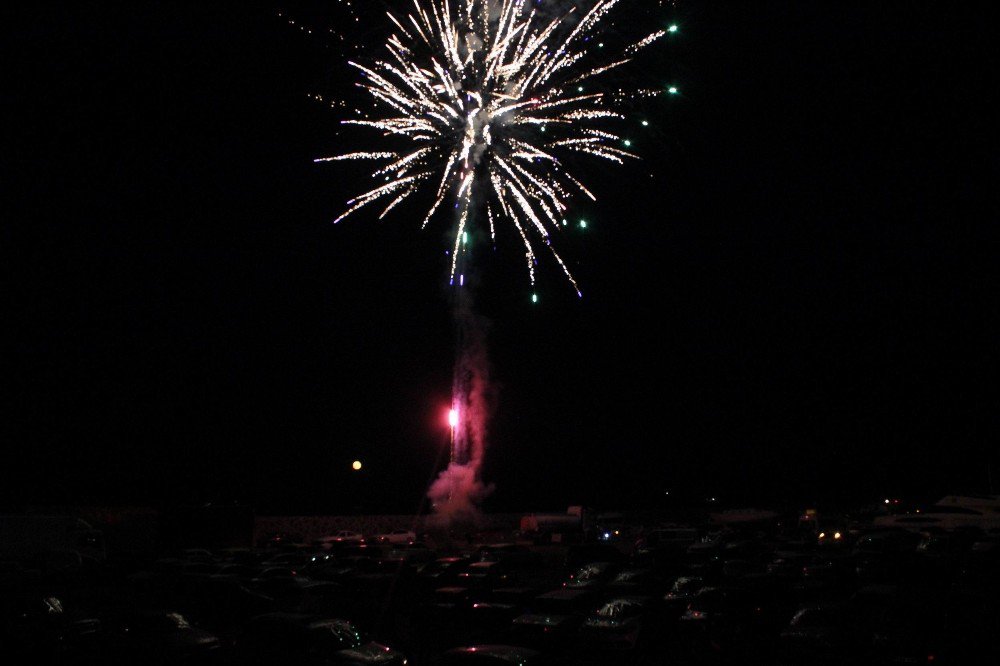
563 593
300 619
597 564
636 599
512 653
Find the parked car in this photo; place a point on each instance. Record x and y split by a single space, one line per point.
681 591
235 572
36 630
663 544
395 537
318 598
484 576
887 542
282 540
487 621
416 553
490 655
309 640
552 619
293 559
220 604
788 564
343 569
620 624
15 575
633 581
579 554
279 583
161 637
514 555
594 575
342 536
831 570
708 545
440 572
489 617
824 632
730 610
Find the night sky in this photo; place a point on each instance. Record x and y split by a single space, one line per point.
792 298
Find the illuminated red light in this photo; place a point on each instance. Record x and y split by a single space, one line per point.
453 417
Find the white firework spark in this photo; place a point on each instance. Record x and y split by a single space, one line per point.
487 97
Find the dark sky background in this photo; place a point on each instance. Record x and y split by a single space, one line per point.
792 298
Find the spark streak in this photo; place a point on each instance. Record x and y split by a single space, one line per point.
486 98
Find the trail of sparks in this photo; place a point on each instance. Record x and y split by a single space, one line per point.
487 97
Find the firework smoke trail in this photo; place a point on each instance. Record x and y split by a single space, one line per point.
458 490
490 97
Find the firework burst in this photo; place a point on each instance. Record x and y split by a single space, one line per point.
488 99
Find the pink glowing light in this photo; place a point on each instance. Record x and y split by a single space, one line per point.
453 417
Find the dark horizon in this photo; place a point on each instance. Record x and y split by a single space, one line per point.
792 297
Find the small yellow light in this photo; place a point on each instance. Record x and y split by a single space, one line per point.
356 465
822 535
836 535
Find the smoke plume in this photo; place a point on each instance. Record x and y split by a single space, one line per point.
458 491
